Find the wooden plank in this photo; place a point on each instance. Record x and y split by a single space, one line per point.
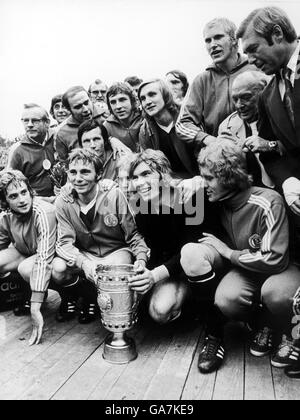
18 354
258 378
285 387
15 352
113 372
133 386
199 386
41 378
230 377
175 366
96 376
13 326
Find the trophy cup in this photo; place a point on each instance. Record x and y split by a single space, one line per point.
118 305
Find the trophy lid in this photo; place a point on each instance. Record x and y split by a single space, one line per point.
115 269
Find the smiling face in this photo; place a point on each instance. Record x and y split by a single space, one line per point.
152 100
93 140
268 58
146 181
121 106
81 106
19 198
245 98
83 177
218 43
215 191
60 113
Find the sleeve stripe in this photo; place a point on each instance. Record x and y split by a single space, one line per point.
61 251
296 302
186 131
42 220
265 253
258 256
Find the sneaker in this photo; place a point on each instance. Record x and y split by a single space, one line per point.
293 370
212 354
262 343
88 313
23 309
66 311
286 354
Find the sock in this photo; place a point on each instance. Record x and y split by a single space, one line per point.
202 278
87 290
215 322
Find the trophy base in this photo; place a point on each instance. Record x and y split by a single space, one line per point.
123 352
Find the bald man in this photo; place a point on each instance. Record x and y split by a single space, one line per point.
242 124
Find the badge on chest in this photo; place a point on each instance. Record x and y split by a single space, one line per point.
255 241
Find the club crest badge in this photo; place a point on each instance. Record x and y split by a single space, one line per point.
255 242
111 220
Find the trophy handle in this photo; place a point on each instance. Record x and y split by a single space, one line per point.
136 301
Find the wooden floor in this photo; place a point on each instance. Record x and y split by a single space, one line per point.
68 364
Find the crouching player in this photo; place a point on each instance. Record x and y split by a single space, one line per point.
27 241
256 244
97 227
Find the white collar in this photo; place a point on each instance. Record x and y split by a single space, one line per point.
85 208
167 128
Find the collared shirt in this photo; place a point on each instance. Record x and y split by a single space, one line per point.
292 65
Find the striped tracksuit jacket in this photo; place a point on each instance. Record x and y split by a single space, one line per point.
257 227
32 234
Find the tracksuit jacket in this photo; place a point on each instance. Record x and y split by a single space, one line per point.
207 103
113 228
34 233
149 139
67 135
129 136
257 227
28 158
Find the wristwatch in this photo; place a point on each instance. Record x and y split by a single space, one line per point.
272 145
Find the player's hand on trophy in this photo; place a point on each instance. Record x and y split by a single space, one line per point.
37 323
143 282
89 269
139 266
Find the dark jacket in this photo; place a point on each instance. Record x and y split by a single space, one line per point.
67 135
28 158
274 124
165 233
149 139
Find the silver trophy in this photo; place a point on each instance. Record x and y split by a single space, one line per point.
118 306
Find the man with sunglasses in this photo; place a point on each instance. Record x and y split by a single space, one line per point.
36 146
